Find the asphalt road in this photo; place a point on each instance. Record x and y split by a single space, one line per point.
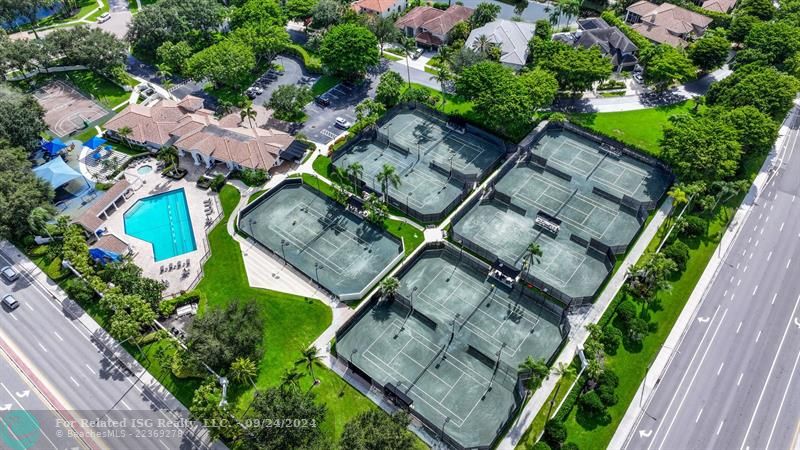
76 368
22 411
733 381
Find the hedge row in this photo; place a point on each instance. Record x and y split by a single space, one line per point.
312 63
167 307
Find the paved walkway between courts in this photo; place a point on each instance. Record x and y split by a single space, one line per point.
578 334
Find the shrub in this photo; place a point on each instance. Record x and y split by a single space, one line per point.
637 330
253 177
626 311
591 405
570 446
678 252
79 291
555 433
540 446
612 338
608 378
694 226
607 395
217 183
167 307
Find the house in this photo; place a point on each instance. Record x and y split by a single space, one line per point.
511 37
610 40
723 6
92 220
666 23
429 26
383 8
194 131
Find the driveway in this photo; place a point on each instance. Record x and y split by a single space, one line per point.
118 23
293 72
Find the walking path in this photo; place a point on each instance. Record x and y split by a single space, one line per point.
578 333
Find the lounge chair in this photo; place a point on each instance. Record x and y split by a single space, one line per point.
179 264
162 269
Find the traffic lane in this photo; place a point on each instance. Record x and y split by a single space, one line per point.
86 366
722 292
17 395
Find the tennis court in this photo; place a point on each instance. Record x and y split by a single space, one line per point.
565 264
66 109
435 163
329 244
456 352
582 158
574 203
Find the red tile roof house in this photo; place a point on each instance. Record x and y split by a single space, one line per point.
194 131
384 8
430 25
666 23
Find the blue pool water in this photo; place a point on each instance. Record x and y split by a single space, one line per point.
163 221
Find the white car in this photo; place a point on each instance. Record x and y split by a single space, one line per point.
342 123
9 274
103 17
10 302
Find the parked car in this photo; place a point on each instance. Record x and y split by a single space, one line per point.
251 94
637 76
322 100
9 274
417 53
103 17
10 302
342 123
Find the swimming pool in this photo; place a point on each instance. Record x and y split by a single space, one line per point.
144 170
163 221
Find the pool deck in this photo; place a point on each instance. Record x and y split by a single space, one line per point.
153 183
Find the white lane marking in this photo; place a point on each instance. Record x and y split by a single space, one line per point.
698 415
755 289
732 296
720 427
770 206
42 347
164 445
739 282
760 216
126 405
773 299
725 294
13 316
788 262
782 223
29 306
757 241
745 267
731 279
58 336
739 328
758 336
739 381
769 256
783 399
749 239
762 231
76 383
751 255
769 374
720 368
90 369
686 373
744 252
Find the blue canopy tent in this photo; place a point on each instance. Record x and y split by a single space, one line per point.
94 142
53 147
57 173
103 256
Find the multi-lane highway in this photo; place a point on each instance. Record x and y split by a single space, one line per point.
733 380
76 370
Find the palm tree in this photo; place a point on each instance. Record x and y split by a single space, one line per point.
124 133
339 192
562 370
388 175
355 171
310 357
224 108
291 377
390 286
408 45
536 370
483 45
38 218
243 369
169 155
248 113
534 253
569 8
442 75
164 73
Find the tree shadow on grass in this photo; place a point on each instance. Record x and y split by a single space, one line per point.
589 423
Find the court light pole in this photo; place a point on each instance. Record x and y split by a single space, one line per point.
284 243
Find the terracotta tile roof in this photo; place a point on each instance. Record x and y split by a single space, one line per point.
434 20
722 6
112 243
665 23
195 129
376 6
89 219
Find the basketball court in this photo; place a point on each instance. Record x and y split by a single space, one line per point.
66 109
329 244
452 341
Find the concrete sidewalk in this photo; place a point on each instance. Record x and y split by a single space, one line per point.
579 334
681 326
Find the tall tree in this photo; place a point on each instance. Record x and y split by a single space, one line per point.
21 119
20 192
443 76
266 41
757 131
483 14
710 51
575 68
286 403
261 13
289 100
299 9
38 219
227 63
770 43
701 148
310 358
647 277
389 88
534 371
383 28
767 89
665 65
243 370
219 336
193 21
390 286
348 50
28 9
388 176
375 430
326 13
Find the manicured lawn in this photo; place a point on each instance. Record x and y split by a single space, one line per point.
254 196
105 91
630 362
324 83
642 128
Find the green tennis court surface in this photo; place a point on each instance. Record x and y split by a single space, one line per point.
434 162
444 354
340 250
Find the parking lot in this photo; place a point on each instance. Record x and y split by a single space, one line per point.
293 72
320 126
